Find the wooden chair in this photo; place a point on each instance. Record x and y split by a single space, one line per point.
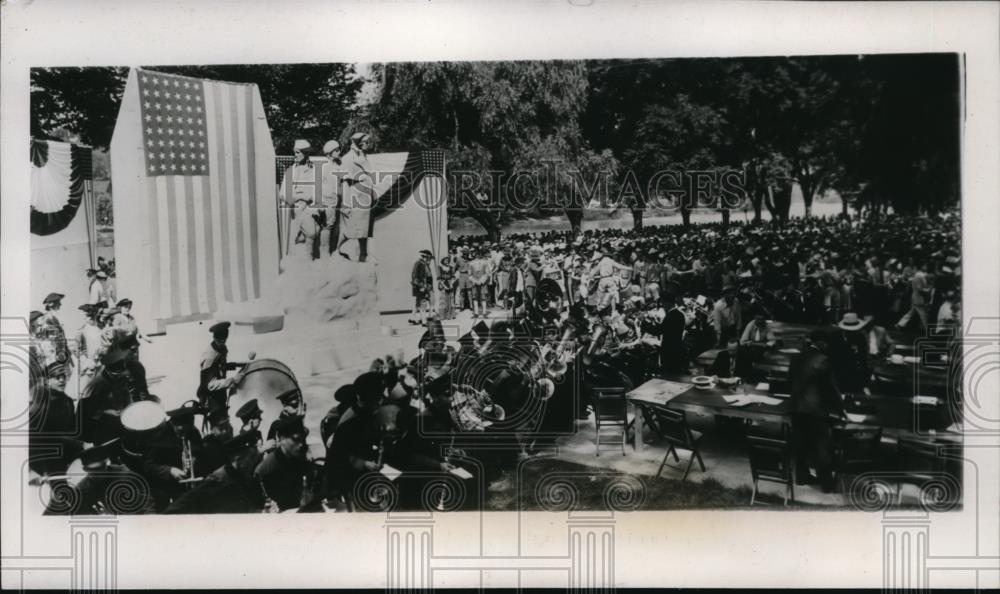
771 461
856 450
673 428
611 416
921 463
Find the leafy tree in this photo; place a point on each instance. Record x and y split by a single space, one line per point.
81 101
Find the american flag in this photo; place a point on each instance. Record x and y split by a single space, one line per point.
200 181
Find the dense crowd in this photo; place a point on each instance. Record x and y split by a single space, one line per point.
609 307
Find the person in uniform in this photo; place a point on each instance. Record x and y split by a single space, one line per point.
420 283
90 495
332 176
250 416
213 454
213 384
358 198
299 181
181 419
232 488
286 471
292 405
120 382
346 397
156 456
52 424
52 327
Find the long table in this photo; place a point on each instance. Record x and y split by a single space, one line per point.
906 414
909 378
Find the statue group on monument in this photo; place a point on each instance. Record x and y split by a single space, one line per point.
336 218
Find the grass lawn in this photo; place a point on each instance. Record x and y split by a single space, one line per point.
550 484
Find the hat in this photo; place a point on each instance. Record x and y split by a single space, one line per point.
850 321
357 136
330 146
240 442
249 410
426 253
53 298
219 327
346 394
186 411
289 394
219 416
87 308
369 383
289 425
123 302
102 304
481 329
54 368
302 145
101 274
115 355
35 314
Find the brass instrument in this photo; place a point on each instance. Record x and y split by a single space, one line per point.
187 464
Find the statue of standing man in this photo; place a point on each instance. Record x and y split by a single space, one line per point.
357 202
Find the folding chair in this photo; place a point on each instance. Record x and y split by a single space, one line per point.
673 428
611 416
856 450
771 461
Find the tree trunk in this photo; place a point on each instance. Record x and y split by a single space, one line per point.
685 215
757 200
725 218
637 218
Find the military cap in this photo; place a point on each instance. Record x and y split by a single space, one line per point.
54 368
219 327
358 136
219 416
240 442
53 298
289 425
102 304
346 394
35 314
289 394
249 410
426 253
481 329
302 145
124 302
369 384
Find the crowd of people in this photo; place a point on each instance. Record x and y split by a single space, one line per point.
610 307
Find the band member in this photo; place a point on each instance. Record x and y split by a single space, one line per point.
420 282
358 198
52 424
181 419
156 455
229 489
213 454
214 385
292 405
90 495
120 382
250 415
285 471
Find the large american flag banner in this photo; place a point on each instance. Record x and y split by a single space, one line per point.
200 183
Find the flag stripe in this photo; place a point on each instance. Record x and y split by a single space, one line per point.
220 193
211 276
242 168
193 254
173 263
252 192
163 222
236 192
156 275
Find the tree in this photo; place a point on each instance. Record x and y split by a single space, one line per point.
313 101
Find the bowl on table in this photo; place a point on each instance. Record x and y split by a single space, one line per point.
702 382
729 381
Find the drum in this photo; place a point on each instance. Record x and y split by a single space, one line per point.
141 421
265 379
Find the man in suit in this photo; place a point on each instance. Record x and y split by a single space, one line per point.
815 402
421 279
733 361
673 355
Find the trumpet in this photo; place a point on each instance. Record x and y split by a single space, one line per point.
187 463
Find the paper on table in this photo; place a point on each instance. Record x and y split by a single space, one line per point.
389 472
855 418
764 386
765 400
659 391
789 351
461 473
926 400
732 398
911 359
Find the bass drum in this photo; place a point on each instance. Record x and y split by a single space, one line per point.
264 379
